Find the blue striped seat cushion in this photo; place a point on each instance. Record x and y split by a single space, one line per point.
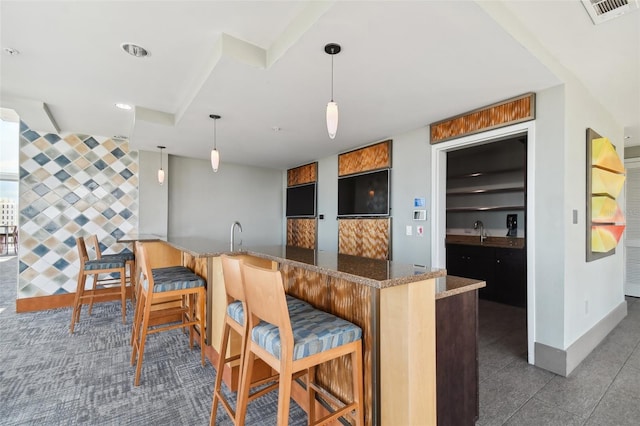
125 256
173 278
314 331
97 264
236 312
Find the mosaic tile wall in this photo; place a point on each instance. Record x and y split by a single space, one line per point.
71 185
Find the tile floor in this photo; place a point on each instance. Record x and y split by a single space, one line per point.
603 390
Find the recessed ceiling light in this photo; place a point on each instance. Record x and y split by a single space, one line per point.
126 107
135 50
11 51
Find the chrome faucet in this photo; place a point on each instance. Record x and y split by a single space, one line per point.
233 228
483 235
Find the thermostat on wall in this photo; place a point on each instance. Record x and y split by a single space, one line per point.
419 215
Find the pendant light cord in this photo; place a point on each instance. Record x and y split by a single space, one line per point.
214 134
332 77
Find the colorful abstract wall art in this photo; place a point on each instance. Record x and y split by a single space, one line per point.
605 181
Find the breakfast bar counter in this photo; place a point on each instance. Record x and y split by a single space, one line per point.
394 304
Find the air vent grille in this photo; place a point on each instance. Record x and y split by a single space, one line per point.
604 10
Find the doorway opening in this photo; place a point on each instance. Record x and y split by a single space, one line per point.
499 207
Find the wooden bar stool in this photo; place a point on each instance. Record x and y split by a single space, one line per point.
94 268
178 282
128 257
291 342
235 320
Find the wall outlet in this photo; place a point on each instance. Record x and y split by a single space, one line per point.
409 230
586 306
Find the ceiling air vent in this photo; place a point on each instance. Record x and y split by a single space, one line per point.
604 10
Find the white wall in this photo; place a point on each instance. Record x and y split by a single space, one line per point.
572 295
328 203
592 289
410 178
205 204
153 198
550 217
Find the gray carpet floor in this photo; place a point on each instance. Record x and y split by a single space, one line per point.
50 377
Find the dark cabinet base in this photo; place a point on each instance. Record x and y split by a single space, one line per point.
503 269
457 359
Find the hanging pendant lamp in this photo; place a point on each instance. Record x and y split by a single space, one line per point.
161 170
215 155
332 107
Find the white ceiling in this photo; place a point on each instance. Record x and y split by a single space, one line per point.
261 65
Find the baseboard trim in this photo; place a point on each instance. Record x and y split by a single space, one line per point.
563 362
42 303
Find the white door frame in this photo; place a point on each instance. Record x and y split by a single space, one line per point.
439 215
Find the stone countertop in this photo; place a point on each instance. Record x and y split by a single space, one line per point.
474 240
452 285
130 238
371 272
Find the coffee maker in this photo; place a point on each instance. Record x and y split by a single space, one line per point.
512 225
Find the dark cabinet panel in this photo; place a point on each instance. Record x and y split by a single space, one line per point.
457 359
504 270
511 276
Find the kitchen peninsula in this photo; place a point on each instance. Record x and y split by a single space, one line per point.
393 303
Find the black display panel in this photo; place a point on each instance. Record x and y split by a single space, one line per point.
365 194
301 200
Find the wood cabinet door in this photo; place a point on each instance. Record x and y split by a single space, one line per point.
511 276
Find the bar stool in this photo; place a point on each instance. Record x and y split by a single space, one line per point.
291 342
235 320
95 268
129 260
176 281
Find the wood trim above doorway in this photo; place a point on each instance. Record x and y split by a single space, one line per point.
504 113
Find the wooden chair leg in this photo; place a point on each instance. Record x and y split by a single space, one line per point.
137 316
311 394
217 387
123 294
284 393
202 313
243 390
191 316
143 338
135 333
77 300
132 278
93 292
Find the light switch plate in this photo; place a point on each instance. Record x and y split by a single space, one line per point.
409 230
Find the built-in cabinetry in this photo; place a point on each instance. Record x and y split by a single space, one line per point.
504 270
